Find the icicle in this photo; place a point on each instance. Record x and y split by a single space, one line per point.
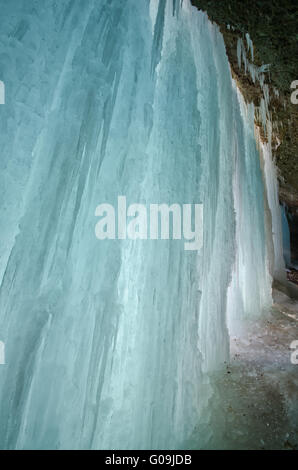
250 46
239 52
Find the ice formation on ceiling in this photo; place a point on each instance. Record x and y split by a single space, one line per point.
109 343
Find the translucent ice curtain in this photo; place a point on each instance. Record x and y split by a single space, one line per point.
109 343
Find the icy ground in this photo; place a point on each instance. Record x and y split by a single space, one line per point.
259 387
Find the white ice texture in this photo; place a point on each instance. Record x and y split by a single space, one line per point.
109 343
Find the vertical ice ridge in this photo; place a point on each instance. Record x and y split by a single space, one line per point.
158 34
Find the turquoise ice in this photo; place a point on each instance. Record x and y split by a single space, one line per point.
109 343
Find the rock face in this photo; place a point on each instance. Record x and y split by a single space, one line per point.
272 27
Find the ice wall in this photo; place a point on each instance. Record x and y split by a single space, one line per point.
109 343
273 217
271 187
249 293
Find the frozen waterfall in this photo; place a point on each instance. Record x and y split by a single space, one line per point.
108 344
